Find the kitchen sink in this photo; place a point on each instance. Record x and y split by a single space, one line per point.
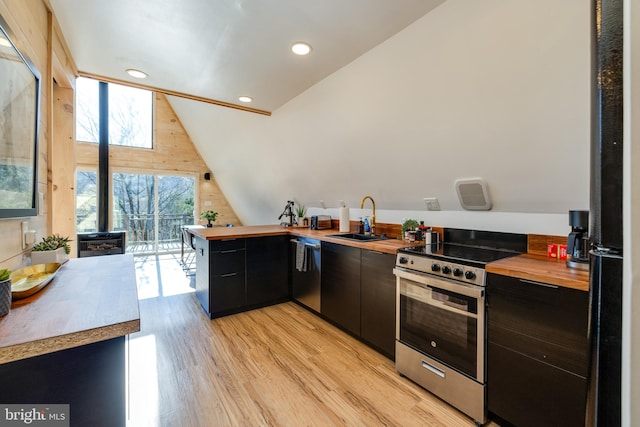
358 236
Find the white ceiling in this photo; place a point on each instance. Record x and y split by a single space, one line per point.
223 49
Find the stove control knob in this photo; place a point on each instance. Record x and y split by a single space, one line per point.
469 275
403 260
435 267
457 272
446 270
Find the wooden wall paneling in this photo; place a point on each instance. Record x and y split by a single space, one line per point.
63 168
29 23
64 68
173 152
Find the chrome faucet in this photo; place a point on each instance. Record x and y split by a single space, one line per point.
373 212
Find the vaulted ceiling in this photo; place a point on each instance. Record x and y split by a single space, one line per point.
224 49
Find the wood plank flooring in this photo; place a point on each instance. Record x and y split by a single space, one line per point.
277 366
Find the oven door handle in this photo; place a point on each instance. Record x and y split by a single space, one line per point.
472 291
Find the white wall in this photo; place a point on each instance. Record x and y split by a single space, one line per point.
631 266
495 89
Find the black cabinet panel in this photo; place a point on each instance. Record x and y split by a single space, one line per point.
537 355
226 244
378 301
202 273
227 262
526 392
267 269
340 293
90 379
239 274
544 322
228 292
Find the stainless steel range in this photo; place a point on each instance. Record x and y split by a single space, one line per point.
441 314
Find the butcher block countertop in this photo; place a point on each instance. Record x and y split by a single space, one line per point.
389 246
90 300
541 269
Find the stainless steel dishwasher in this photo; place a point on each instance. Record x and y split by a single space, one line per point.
305 282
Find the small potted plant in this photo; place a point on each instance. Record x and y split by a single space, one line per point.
53 248
5 291
301 210
209 216
407 227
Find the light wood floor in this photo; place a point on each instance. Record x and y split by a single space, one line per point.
277 366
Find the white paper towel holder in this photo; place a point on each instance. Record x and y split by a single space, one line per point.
344 218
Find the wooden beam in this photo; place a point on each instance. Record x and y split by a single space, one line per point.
173 93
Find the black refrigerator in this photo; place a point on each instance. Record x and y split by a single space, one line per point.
605 386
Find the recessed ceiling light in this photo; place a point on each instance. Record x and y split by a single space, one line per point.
4 42
136 73
301 48
245 99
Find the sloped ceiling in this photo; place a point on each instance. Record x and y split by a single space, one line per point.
498 90
223 49
492 89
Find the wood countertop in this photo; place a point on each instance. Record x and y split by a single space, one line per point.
90 300
219 233
541 269
531 267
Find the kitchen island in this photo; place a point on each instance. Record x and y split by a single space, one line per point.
66 343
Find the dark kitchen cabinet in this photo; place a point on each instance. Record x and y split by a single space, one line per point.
233 275
340 286
378 301
267 270
537 352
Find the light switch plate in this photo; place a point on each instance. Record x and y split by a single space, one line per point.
432 203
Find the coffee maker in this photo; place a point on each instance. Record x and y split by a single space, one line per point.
578 241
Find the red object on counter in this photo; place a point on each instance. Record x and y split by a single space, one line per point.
562 252
552 251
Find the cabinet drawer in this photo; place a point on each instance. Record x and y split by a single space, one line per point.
526 392
227 262
544 322
226 244
228 292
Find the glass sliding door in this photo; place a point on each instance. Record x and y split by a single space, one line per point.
175 209
152 209
133 210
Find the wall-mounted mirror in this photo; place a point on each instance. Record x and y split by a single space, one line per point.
19 111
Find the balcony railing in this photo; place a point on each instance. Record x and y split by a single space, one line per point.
141 232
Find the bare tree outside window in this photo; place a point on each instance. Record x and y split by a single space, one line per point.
130 114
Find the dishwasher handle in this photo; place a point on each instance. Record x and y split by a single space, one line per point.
309 245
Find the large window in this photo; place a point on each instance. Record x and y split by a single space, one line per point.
130 114
86 200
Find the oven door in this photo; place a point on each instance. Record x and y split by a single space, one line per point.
442 319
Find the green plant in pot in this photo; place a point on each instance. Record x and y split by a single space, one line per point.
5 291
209 216
409 225
53 248
301 210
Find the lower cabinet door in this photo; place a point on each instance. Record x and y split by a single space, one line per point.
340 290
526 392
227 292
378 301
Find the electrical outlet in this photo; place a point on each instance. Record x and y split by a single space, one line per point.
24 229
432 203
